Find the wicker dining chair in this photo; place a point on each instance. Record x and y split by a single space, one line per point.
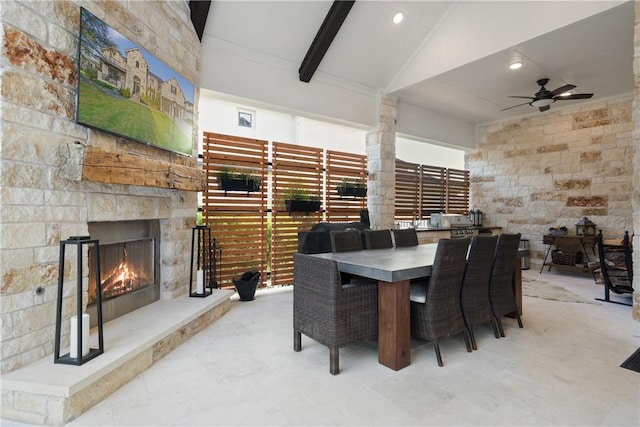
440 315
404 237
327 312
378 239
474 294
503 300
347 240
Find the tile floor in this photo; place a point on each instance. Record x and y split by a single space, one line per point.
561 369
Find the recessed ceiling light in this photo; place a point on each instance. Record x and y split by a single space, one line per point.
565 94
398 17
515 65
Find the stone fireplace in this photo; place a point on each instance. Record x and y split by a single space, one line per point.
61 179
129 266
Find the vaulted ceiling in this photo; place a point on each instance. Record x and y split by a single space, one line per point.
449 57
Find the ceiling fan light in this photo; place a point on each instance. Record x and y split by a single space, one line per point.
515 65
543 102
398 17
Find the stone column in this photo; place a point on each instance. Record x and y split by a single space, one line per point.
381 164
635 195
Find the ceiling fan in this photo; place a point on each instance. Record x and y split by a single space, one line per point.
544 98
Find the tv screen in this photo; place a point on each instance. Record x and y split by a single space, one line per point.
126 91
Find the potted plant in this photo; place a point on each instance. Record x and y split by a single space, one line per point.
230 180
352 187
298 199
246 284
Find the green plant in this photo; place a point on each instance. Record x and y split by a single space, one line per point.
228 172
353 183
298 193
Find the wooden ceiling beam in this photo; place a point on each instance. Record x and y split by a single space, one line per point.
325 35
199 12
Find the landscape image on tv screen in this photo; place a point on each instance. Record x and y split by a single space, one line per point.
126 91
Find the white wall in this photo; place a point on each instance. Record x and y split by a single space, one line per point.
219 114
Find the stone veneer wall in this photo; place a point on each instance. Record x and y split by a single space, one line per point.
554 168
43 198
381 164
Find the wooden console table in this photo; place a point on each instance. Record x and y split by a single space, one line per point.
568 242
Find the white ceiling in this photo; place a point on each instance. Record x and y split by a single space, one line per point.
447 56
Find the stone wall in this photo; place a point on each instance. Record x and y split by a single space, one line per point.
44 199
554 168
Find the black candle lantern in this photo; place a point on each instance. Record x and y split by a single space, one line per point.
79 347
585 227
202 246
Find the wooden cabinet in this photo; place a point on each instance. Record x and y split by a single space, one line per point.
583 246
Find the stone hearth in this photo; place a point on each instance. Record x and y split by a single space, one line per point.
53 394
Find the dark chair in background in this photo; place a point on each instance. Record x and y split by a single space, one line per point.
503 300
327 312
378 239
344 241
474 294
435 304
404 237
616 268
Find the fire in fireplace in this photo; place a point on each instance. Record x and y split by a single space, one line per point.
125 267
129 260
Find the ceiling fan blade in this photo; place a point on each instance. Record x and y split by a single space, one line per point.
524 97
574 96
562 89
545 108
514 106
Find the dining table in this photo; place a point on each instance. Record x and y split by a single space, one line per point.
394 268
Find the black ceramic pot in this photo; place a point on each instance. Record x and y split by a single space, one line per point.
246 287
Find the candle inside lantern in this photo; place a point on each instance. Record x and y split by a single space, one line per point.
200 282
73 346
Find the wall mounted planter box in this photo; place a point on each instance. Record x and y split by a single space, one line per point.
238 184
351 191
302 205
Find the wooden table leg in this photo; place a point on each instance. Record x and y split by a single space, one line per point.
394 324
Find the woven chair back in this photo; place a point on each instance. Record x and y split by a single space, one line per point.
405 237
378 239
474 294
344 241
441 314
503 301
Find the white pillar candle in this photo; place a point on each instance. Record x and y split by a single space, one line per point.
200 282
73 347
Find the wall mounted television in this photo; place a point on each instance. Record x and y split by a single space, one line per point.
125 91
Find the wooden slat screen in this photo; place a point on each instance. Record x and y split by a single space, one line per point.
237 219
434 195
457 191
293 166
340 167
425 190
407 190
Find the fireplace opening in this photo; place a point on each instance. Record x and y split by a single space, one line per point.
124 267
129 261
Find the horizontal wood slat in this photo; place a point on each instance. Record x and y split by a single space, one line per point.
344 168
422 190
237 218
300 167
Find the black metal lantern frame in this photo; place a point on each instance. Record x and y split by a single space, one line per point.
202 253
585 227
79 242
